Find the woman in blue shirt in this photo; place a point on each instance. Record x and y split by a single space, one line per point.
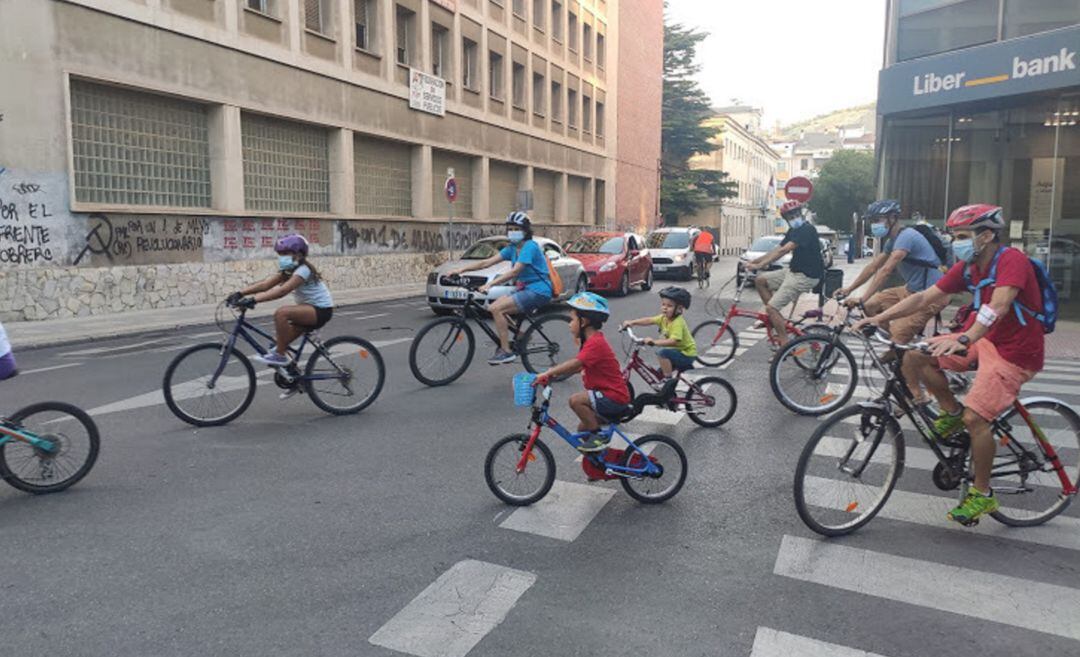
529 270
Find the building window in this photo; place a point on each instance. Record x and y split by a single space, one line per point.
571 108
440 55
804 164
599 119
316 16
586 113
495 75
263 6
133 148
539 85
586 41
556 102
383 177
601 50
404 29
931 27
572 29
470 65
538 13
1023 17
519 8
519 85
364 15
556 20
286 165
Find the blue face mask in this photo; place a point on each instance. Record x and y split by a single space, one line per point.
285 262
879 230
515 236
964 250
796 222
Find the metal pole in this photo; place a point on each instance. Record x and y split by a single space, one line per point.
451 205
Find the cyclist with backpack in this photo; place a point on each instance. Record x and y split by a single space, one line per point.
1014 306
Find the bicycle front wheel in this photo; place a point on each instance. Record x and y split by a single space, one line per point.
195 396
345 376
529 485
547 343
715 346
659 487
1024 480
814 375
72 451
711 401
442 351
848 469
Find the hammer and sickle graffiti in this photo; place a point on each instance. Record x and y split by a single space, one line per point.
100 238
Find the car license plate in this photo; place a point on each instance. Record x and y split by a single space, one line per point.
455 294
1042 250
660 267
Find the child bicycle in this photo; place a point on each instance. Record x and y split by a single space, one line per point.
520 469
47 447
710 401
213 383
851 464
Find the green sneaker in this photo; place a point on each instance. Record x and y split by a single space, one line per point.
593 443
947 424
973 507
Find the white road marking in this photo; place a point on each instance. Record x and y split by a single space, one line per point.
930 510
659 416
774 643
379 344
1032 605
456 611
105 350
564 512
185 390
49 369
358 315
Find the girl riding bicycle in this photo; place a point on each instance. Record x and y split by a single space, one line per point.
680 350
314 306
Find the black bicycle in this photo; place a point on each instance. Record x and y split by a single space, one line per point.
444 348
212 383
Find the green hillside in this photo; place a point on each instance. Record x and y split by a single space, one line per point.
862 114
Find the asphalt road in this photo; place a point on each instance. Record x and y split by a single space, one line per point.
290 532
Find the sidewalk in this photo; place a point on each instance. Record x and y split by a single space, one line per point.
26 335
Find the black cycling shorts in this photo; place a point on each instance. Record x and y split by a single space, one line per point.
322 316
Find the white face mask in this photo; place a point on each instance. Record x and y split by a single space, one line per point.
515 236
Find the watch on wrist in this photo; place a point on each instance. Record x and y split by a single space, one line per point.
964 339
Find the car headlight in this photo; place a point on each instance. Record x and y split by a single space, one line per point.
608 267
680 257
432 278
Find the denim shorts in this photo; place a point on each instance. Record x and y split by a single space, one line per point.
527 301
679 360
606 408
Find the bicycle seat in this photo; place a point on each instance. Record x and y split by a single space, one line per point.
660 398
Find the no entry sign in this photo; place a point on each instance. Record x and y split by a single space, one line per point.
451 189
799 189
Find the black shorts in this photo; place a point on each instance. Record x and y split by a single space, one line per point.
322 316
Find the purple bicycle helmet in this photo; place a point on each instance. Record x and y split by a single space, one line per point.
292 244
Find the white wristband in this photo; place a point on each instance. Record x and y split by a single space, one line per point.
986 315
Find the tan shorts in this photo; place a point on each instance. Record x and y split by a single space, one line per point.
903 329
787 286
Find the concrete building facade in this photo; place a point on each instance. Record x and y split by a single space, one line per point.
156 148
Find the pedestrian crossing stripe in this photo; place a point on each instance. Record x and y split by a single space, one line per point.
774 643
563 514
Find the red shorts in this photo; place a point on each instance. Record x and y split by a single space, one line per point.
997 381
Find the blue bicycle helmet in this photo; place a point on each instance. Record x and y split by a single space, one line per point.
589 302
882 208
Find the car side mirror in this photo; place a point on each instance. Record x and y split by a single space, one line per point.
552 255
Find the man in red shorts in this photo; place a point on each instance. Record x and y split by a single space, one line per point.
1002 339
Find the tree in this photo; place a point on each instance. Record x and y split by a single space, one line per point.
844 185
683 190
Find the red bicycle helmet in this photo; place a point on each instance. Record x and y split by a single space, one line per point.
979 215
292 244
789 206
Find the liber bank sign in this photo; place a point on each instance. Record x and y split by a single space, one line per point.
1035 63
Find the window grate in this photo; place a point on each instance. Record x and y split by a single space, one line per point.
286 165
383 177
134 148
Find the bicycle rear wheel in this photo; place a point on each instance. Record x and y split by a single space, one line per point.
519 488
1024 481
715 347
194 396
442 351
711 401
346 376
814 375
75 443
547 342
848 469
653 489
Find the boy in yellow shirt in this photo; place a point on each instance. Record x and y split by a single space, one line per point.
680 350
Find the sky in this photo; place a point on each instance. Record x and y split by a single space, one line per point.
793 58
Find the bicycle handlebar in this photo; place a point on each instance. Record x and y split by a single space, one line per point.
880 335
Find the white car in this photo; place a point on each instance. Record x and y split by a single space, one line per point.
672 251
760 247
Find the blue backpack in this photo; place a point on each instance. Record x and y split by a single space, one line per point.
1048 316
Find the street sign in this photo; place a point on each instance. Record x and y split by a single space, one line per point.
451 189
799 189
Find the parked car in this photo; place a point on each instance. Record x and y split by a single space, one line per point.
614 262
672 251
826 252
444 299
760 247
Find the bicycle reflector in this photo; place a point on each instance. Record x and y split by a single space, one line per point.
851 507
364 353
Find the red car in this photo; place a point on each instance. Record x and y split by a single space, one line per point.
614 262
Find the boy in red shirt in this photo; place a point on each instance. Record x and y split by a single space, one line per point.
1007 351
606 394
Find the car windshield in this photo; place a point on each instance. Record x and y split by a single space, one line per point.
597 244
765 244
674 240
484 250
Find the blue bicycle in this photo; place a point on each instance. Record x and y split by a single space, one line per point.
520 469
212 383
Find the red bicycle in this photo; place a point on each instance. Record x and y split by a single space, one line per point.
717 340
709 401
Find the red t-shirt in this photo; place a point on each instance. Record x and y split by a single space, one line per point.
1020 345
602 372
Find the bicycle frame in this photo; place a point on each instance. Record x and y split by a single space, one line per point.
653 376
792 327
243 329
9 433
